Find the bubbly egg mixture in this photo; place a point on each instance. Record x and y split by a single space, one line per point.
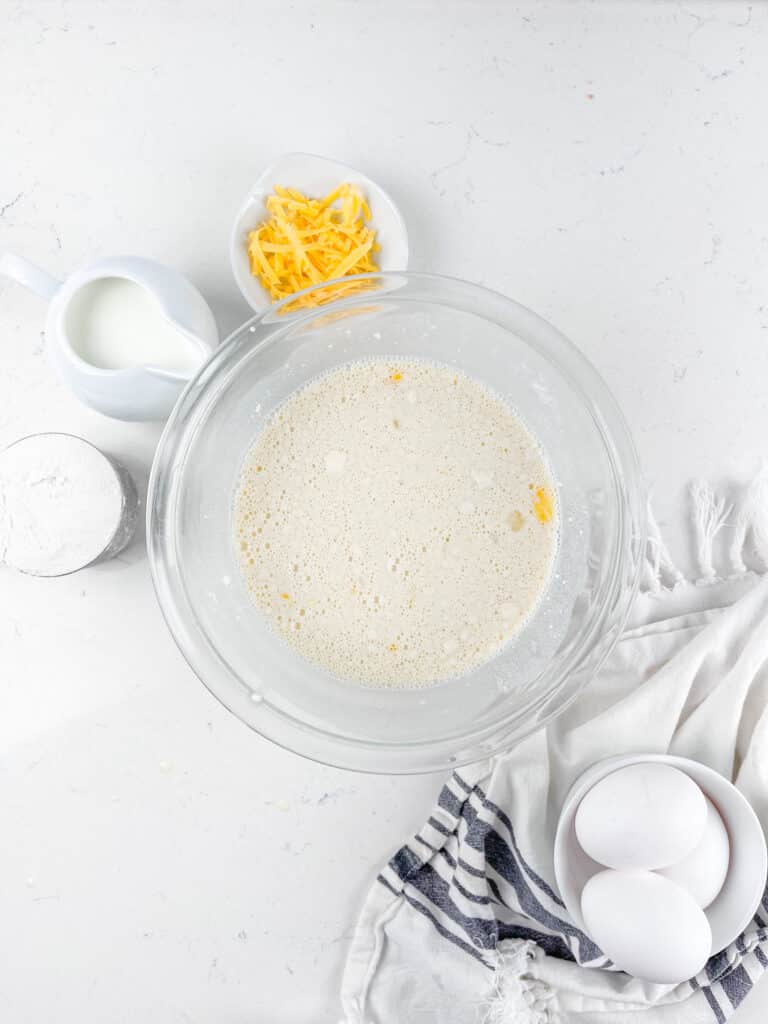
396 522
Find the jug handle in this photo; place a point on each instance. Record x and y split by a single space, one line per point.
29 275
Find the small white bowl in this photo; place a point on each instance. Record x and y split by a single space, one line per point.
744 885
314 176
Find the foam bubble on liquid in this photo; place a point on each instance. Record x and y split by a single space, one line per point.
384 522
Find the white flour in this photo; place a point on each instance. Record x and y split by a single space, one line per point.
61 503
389 522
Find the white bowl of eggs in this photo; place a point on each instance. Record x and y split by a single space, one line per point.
661 861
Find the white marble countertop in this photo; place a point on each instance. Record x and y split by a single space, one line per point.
603 163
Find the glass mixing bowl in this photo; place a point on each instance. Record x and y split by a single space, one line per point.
300 705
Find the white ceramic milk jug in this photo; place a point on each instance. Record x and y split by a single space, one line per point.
126 334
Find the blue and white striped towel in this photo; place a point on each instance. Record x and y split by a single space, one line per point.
465 924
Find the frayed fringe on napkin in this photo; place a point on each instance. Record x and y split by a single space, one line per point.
516 995
740 511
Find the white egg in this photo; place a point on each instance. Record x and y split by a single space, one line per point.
642 816
703 871
650 927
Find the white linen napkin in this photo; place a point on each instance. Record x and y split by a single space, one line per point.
465 924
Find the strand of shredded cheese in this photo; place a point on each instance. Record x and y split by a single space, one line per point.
306 241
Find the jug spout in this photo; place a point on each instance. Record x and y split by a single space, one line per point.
181 375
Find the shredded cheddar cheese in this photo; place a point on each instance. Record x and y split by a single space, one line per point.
543 507
307 241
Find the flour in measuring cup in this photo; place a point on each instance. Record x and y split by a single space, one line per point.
62 503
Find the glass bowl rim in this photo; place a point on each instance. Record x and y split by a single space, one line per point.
342 751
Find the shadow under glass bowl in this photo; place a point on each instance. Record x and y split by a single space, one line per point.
266 683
